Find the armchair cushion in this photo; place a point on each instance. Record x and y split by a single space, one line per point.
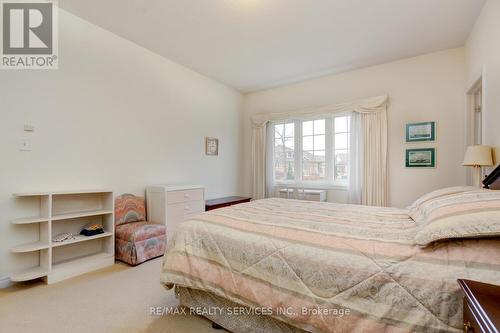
139 231
129 208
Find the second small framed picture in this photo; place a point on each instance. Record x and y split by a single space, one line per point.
421 158
418 132
211 146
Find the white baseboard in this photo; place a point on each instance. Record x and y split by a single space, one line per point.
5 282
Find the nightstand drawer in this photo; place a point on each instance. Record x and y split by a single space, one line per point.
185 196
179 212
184 208
481 311
470 323
173 204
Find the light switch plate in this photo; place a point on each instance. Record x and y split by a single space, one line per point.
25 145
29 128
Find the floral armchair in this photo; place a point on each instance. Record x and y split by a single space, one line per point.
136 240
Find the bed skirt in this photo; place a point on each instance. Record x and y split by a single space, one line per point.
216 309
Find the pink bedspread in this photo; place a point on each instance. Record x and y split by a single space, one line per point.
309 261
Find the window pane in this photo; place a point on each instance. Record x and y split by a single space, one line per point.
341 157
289 130
341 141
307 156
318 158
341 124
341 172
278 131
279 144
319 142
341 164
284 171
284 165
307 128
313 165
320 153
279 165
284 152
307 143
319 126
313 170
290 170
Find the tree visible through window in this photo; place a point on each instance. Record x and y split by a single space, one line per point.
284 151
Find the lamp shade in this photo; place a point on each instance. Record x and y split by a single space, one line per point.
478 156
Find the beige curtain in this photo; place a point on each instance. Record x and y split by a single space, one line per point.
373 168
374 158
259 160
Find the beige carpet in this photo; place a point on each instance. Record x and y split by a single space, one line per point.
114 299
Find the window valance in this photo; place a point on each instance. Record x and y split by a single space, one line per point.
367 105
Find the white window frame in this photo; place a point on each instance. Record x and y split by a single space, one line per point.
329 182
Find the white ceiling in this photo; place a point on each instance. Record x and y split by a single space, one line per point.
256 44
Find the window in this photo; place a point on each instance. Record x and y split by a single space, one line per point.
284 151
341 148
312 151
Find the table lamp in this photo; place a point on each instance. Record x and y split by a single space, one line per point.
478 156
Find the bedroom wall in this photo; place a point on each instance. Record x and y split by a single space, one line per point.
114 115
424 88
483 56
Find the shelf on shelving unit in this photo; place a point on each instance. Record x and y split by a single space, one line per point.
29 274
79 265
42 193
81 238
75 215
30 247
30 220
78 260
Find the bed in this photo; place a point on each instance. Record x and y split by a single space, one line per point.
280 265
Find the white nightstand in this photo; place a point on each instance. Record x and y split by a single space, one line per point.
172 204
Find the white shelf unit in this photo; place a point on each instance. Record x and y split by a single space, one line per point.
67 211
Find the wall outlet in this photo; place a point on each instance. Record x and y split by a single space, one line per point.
25 145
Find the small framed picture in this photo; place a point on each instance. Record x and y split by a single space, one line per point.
421 158
418 132
211 146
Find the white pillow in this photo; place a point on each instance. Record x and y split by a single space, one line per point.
467 214
415 208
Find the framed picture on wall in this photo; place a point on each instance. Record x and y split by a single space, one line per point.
211 146
421 158
418 132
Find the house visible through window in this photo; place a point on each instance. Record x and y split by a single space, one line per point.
312 151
